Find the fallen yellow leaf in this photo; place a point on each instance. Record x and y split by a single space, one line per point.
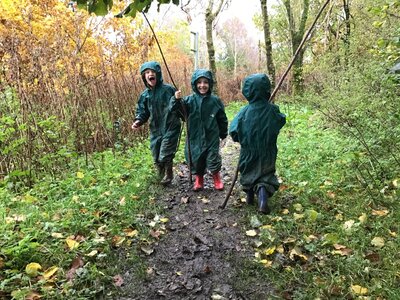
32 269
267 263
80 175
297 216
57 235
164 220
129 232
362 218
72 244
359 290
348 225
251 233
269 251
50 272
378 242
92 253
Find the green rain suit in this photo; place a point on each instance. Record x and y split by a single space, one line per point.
165 125
207 124
256 128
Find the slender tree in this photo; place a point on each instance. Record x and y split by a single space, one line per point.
268 43
296 35
211 15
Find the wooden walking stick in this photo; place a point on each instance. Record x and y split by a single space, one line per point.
271 98
184 111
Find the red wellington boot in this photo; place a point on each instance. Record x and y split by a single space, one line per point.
218 184
198 183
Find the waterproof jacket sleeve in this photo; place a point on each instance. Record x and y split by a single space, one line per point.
234 127
222 121
142 109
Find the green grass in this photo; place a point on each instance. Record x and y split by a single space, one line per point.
97 207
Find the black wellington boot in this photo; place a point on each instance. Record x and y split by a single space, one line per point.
249 197
168 174
263 201
160 169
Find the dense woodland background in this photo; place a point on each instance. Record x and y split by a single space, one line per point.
67 76
69 82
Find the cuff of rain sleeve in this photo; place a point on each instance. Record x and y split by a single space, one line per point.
140 122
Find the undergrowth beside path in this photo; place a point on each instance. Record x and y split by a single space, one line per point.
327 237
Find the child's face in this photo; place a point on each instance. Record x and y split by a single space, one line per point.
150 77
202 85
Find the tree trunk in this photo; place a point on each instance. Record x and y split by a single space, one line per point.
210 17
296 36
346 38
268 43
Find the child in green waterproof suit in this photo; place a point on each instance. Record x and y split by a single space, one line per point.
207 124
165 125
256 128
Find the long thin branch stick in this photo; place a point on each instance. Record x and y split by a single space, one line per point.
185 115
276 89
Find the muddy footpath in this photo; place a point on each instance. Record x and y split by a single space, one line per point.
205 253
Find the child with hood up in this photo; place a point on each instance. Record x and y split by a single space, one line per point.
256 128
165 125
207 125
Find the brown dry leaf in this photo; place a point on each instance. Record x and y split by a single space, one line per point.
134 197
207 270
296 252
118 280
76 264
1 263
283 187
185 200
338 246
373 257
289 240
33 296
342 251
331 195
130 232
117 240
155 234
205 200
147 249
122 201
380 213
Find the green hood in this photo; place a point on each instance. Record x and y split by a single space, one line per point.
202 73
256 87
155 66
